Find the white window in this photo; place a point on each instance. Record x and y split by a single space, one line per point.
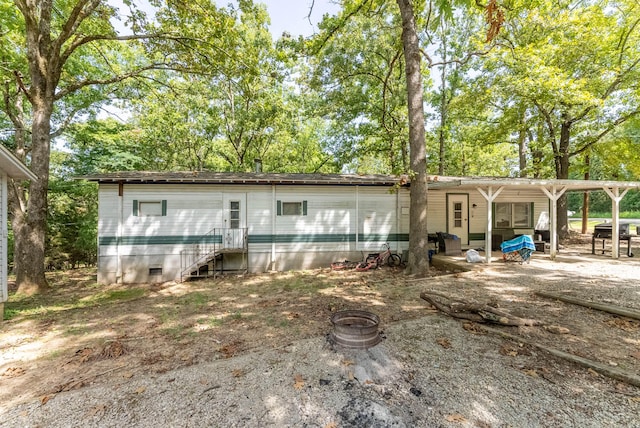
292 207
508 215
150 209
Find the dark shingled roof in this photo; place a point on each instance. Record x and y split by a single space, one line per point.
205 177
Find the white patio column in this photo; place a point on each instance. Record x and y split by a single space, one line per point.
554 194
616 197
489 196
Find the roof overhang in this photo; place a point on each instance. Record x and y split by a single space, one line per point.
144 177
13 167
441 182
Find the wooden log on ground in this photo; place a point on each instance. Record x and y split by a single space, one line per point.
617 310
605 370
474 311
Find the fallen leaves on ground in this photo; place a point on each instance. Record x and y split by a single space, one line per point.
84 354
509 350
444 342
456 417
298 382
95 410
623 324
13 372
473 328
556 329
230 349
113 349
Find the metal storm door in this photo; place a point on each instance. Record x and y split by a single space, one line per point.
234 220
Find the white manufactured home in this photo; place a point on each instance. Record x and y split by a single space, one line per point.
161 226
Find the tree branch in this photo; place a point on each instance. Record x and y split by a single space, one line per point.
114 79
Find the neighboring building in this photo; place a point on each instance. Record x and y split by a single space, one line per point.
10 167
161 226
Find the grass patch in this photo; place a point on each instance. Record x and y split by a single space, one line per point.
194 299
45 304
115 296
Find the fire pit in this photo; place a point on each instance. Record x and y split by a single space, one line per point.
355 329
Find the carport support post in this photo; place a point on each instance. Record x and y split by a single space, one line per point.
489 196
616 197
554 194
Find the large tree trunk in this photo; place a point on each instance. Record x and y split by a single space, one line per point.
30 227
418 243
562 173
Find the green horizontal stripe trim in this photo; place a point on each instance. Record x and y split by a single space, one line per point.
253 239
476 236
290 239
159 240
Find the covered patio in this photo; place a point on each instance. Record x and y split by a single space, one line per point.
490 188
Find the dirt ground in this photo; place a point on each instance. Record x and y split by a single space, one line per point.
81 334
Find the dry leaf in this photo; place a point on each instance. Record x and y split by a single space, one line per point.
473 328
97 409
556 329
127 375
592 372
141 390
45 398
635 399
509 351
636 355
237 373
444 342
623 324
456 417
347 363
531 372
298 382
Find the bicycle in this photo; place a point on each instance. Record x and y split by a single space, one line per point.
384 258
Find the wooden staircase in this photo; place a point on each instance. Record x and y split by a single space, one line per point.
206 258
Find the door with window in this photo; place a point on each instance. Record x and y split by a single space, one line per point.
234 220
458 216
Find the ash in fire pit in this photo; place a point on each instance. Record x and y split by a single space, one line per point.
355 329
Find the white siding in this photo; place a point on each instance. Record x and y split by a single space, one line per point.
335 216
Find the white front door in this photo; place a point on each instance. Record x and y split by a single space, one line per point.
458 216
234 219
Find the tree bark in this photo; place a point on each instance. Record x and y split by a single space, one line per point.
562 162
418 260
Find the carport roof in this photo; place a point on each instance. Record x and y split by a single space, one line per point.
434 181
440 182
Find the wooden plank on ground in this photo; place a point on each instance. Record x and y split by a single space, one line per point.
612 309
605 370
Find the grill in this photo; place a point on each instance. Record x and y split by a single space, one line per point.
604 232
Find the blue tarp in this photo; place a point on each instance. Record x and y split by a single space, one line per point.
517 244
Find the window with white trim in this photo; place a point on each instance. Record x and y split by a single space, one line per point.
509 215
149 208
292 208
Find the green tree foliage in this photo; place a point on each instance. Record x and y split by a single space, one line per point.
358 67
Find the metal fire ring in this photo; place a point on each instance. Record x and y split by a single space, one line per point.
355 329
